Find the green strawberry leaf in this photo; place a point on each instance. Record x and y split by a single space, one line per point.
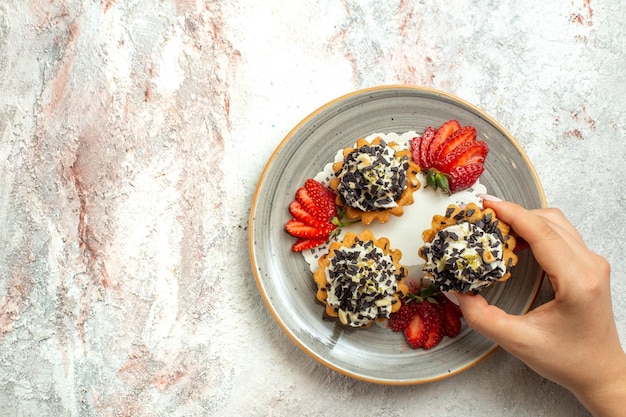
339 223
438 180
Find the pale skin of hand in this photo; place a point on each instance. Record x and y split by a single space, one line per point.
572 339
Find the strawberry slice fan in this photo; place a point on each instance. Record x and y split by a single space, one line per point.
451 156
315 216
426 316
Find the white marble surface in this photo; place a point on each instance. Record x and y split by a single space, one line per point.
132 136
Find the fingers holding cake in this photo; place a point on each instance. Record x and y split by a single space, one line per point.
552 238
576 325
491 321
535 226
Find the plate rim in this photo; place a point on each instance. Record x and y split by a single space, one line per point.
255 200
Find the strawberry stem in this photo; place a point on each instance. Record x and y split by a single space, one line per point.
337 221
424 294
438 180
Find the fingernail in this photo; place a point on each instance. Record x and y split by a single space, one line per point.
490 197
451 296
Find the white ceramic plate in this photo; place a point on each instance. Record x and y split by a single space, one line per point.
283 277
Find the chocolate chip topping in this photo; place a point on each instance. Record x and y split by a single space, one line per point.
372 178
361 283
465 257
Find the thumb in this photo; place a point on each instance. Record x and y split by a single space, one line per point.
490 321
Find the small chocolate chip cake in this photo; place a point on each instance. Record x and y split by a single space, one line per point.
467 249
360 280
375 180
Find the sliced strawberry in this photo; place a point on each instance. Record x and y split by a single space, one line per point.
464 154
441 152
451 319
443 133
416 143
316 218
399 320
297 211
464 176
427 138
300 229
303 244
464 134
322 197
432 315
417 331
426 317
307 203
435 334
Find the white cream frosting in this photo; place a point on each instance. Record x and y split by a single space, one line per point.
372 177
463 257
361 283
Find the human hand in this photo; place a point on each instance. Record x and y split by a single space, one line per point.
572 339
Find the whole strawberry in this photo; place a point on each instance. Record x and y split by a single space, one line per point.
451 156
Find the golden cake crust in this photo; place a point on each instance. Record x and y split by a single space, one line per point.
473 214
412 184
349 241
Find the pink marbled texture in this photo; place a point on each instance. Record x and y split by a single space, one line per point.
132 135
115 201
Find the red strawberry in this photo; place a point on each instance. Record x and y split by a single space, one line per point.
416 144
304 198
324 198
399 320
300 229
303 244
453 160
417 330
464 134
464 154
443 133
451 319
299 213
426 317
315 216
464 176
451 316
419 149
435 330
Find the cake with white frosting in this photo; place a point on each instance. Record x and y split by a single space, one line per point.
374 180
467 249
360 280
